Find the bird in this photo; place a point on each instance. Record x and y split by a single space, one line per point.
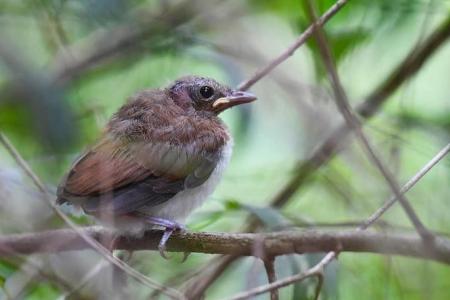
158 158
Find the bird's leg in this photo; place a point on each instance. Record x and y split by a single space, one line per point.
169 228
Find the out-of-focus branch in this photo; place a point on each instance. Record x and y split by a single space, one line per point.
376 215
242 244
104 45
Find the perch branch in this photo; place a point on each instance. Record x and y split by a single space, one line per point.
240 244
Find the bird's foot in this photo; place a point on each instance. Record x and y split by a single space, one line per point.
169 228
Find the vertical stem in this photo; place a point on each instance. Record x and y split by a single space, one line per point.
269 264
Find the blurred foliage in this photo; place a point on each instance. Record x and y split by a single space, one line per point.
66 66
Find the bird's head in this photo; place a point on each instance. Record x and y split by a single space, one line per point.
206 94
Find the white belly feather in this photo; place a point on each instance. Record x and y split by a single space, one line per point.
183 203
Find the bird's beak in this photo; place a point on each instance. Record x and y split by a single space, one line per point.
235 98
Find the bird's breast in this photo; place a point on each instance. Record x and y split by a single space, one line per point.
183 203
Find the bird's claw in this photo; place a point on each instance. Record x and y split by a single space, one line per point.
169 228
162 243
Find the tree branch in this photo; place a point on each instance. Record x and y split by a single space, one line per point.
269 265
291 49
377 215
242 244
317 270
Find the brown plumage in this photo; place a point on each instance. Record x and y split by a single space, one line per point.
159 155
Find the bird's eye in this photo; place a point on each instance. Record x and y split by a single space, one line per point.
206 91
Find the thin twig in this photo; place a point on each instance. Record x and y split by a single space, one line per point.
21 162
172 293
319 285
291 49
195 289
352 121
269 265
411 182
86 279
317 270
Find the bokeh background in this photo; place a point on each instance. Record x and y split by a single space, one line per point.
67 66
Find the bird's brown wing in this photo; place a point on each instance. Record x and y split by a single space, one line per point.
119 177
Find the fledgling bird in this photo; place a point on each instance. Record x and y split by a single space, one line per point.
159 157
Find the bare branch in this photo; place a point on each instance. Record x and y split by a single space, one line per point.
21 162
320 280
196 288
376 215
269 265
291 49
317 270
240 244
128 38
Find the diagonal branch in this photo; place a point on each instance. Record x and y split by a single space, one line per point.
101 249
376 215
317 270
291 49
